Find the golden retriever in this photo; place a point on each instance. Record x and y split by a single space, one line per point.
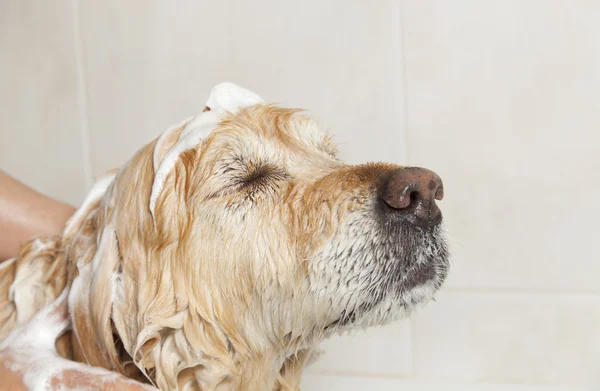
224 251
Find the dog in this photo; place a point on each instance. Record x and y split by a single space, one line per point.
227 249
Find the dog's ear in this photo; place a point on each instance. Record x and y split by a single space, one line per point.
166 141
88 304
224 98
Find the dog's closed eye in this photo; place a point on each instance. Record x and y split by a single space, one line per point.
261 179
261 174
251 177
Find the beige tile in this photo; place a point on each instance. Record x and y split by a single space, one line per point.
503 103
376 351
39 114
148 65
510 338
311 382
339 59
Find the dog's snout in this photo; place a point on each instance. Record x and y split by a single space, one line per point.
413 191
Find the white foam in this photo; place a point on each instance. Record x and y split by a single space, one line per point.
32 346
30 350
230 97
41 331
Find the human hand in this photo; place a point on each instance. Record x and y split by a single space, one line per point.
25 213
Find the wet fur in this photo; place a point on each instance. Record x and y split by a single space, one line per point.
262 244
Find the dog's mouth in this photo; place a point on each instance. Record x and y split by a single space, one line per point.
417 287
411 266
420 275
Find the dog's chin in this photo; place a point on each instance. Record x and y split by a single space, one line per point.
408 266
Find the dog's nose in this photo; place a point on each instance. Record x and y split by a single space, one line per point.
412 191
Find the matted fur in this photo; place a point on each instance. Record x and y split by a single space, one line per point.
262 244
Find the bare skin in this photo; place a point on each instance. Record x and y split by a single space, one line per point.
25 213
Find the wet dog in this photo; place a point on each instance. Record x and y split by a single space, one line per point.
225 250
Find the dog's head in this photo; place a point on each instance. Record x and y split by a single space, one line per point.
239 238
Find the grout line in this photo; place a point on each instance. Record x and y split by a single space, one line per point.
402 100
82 95
403 84
517 291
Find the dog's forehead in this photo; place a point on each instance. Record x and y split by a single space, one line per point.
266 130
263 131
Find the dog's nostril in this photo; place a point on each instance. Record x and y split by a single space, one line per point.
413 190
414 196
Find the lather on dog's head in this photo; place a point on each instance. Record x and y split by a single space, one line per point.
226 249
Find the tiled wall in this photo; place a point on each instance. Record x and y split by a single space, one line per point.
500 98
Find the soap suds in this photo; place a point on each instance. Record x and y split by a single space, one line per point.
30 350
229 97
